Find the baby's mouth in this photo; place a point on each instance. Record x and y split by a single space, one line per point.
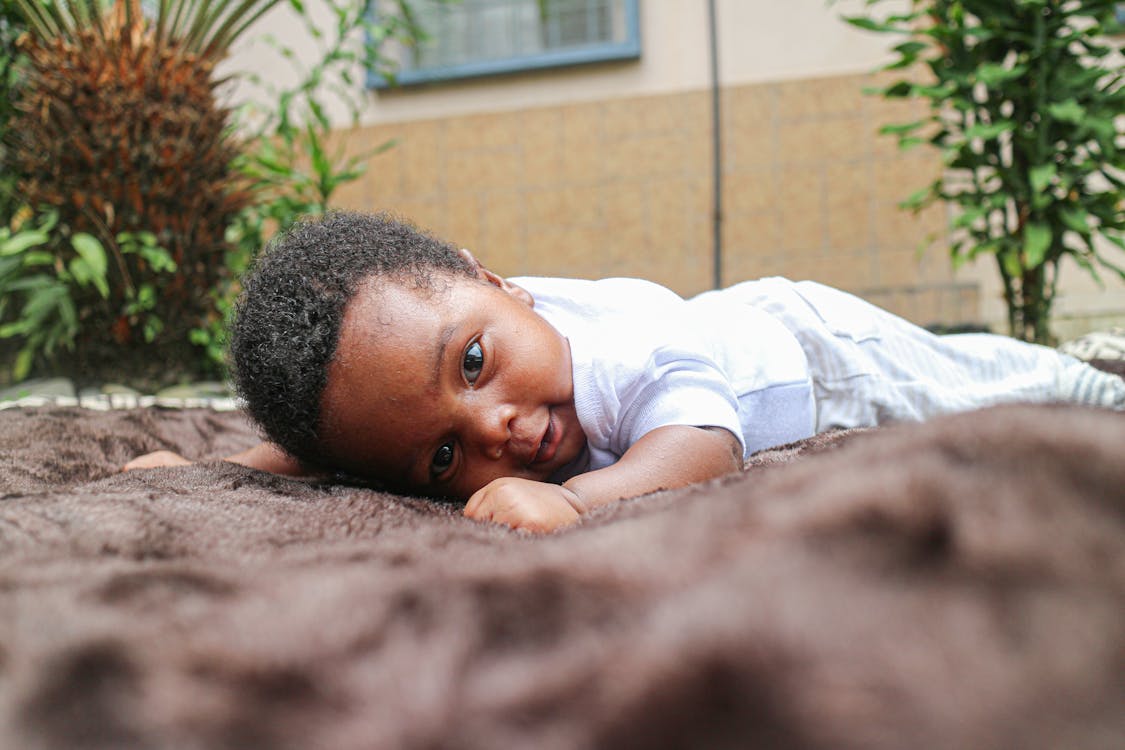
548 444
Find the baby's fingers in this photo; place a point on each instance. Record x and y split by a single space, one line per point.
487 504
477 508
156 459
521 504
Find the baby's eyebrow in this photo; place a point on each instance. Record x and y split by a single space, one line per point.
443 342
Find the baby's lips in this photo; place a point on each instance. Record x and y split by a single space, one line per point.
548 444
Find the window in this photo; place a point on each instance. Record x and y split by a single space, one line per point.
487 37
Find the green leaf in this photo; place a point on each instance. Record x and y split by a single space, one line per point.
318 113
1109 263
917 199
7 267
1074 217
1036 241
48 220
27 283
897 90
1068 111
91 251
16 328
152 327
69 317
143 237
85 274
1115 239
320 163
146 296
868 24
38 258
42 302
22 366
991 74
1011 264
21 241
941 92
158 258
970 216
989 131
1041 176
901 128
1103 128
910 49
80 271
1090 268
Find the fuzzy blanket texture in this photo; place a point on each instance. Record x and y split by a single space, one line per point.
957 584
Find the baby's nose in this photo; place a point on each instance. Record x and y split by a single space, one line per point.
495 429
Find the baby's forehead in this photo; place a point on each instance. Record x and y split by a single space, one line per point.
422 312
423 281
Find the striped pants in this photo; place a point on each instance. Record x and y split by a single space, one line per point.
870 367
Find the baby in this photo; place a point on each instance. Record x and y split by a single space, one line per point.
363 345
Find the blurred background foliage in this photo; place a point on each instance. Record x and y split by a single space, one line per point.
11 26
1025 105
132 196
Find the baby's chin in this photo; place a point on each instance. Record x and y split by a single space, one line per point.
573 466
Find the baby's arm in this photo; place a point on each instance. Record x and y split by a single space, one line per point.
665 458
264 456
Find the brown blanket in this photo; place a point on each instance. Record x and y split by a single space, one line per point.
956 584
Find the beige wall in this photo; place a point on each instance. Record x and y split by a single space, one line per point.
606 170
624 187
758 41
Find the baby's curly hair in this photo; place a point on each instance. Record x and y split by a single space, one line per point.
287 319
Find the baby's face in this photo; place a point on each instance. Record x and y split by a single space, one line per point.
440 392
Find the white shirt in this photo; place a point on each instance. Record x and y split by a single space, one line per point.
643 357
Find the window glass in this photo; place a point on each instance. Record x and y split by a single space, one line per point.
484 37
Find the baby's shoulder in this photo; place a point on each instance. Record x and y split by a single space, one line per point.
601 298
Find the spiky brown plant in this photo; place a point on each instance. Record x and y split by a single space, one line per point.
119 129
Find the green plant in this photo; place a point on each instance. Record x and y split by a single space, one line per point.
44 292
294 168
118 131
297 159
1025 106
11 26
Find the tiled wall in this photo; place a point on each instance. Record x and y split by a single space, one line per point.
624 187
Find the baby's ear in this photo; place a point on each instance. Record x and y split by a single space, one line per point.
517 291
497 280
464 253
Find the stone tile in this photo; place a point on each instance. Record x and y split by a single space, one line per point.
483 131
483 170
803 99
646 156
629 117
822 141
748 192
421 149
582 122
748 108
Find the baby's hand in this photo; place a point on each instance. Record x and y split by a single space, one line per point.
155 459
524 504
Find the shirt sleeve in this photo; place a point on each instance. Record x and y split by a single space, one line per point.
639 362
676 387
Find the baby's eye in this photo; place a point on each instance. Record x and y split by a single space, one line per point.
473 362
442 460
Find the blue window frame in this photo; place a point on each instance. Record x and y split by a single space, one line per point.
473 38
